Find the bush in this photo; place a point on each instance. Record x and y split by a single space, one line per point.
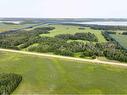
64 52
93 57
9 82
78 36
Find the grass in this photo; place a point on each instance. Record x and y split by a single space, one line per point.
107 60
118 31
43 25
122 39
80 41
6 27
26 49
67 29
42 75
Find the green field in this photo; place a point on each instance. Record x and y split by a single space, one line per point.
7 27
42 75
67 29
122 39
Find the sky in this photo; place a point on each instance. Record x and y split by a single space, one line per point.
64 8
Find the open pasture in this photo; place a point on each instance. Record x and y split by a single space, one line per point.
42 75
67 29
122 39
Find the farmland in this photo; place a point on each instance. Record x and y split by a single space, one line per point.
7 27
42 75
76 74
122 39
66 40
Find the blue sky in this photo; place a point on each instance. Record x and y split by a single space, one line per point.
64 8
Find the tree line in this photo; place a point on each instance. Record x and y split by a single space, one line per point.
118 53
99 27
110 49
13 39
78 36
9 82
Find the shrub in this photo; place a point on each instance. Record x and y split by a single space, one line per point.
9 82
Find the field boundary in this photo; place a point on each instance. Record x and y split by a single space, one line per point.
64 57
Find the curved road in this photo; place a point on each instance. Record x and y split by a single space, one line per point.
63 57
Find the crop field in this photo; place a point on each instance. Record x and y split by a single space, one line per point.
67 29
6 27
122 39
42 75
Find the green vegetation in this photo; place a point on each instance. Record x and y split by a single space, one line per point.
66 29
8 83
122 39
111 49
100 27
21 37
7 27
43 75
60 44
116 52
78 36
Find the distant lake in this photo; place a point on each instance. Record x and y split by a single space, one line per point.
110 23
15 22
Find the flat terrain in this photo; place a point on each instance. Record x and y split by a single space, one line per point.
53 74
46 75
122 39
100 61
67 29
7 27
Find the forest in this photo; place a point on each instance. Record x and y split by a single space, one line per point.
78 36
59 44
99 27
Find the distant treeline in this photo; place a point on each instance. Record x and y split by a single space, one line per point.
99 27
111 32
9 82
124 33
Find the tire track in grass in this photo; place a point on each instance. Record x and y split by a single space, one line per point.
65 57
66 78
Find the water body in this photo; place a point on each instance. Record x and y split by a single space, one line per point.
109 23
15 22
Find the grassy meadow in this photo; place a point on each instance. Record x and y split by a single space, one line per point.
42 75
122 39
67 29
7 27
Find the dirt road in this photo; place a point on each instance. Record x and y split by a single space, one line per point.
63 57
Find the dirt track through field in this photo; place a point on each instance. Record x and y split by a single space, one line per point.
63 57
